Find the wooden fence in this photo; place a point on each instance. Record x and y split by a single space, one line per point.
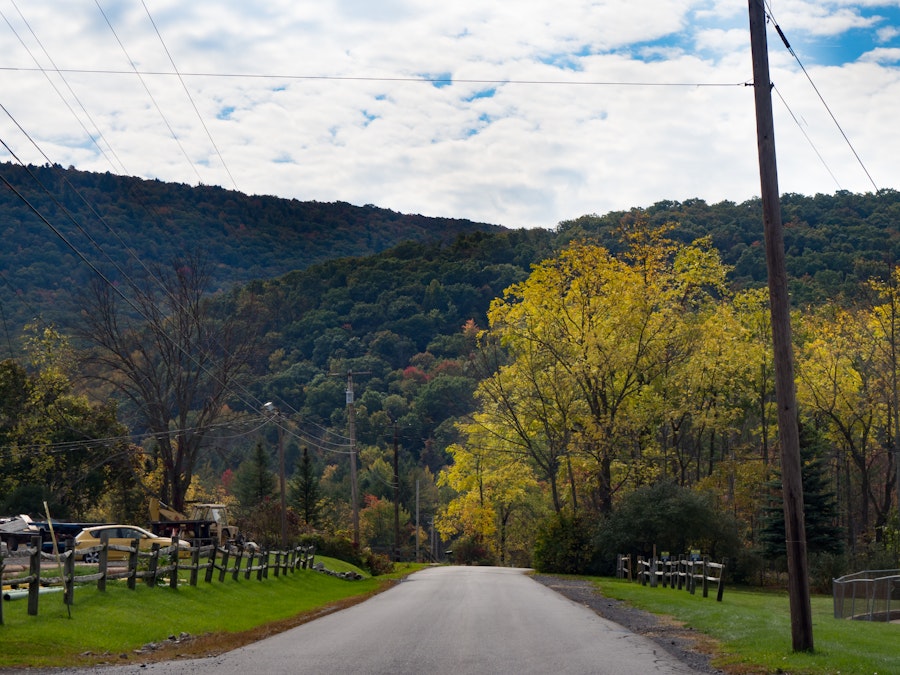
154 566
686 572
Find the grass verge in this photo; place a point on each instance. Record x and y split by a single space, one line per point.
116 626
752 630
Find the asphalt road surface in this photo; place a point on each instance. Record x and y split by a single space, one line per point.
444 620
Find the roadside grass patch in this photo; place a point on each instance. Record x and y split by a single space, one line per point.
106 627
753 631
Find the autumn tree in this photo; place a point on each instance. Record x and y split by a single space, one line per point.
611 326
57 445
837 384
490 484
162 349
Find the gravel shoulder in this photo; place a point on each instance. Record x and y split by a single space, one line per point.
687 645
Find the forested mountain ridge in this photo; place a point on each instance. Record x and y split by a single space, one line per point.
243 237
832 242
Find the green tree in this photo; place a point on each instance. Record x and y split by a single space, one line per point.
254 481
304 491
823 534
56 445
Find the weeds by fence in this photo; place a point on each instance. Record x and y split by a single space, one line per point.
153 567
682 573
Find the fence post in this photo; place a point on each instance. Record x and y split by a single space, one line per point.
173 563
34 572
237 565
705 576
154 565
249 564
195 561
104 561
277 563
654 563
69 577
224 569
133 564
211 564
721 588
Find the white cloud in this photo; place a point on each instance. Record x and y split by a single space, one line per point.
533 129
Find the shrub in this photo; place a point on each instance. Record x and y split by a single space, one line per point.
378 563
564 545
469 551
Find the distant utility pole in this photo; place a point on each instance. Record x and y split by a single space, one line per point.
396 493
779 305
279 422
351 430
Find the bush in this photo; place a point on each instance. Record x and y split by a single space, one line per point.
469 551
378 563
564 545
670 518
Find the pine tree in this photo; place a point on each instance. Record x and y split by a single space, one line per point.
823 535
253 481
305 491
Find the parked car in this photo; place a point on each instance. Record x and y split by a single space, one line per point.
121 535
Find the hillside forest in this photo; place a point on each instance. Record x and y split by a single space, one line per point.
527 397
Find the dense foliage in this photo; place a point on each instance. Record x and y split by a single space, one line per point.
121 223
530 382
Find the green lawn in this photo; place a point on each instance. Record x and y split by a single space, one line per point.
104 626
753 630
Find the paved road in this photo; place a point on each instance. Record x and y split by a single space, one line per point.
445 620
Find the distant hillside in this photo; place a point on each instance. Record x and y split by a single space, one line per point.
104 216
832 242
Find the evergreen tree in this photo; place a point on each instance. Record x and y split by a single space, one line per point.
823 535
304 490
253 481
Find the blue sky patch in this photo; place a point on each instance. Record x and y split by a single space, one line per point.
484 93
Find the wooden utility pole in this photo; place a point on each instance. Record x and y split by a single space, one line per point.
779 305
396 493
351 428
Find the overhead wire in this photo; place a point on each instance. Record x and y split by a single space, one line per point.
149 93
790 49
190 98
61 75
808 139
367 78
313 440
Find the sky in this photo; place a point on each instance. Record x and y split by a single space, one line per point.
520 114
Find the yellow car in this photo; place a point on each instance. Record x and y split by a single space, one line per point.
121 535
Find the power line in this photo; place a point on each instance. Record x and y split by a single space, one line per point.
806 136
790 49
149 93
190 98
365 78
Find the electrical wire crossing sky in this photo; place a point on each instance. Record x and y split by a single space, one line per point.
519 114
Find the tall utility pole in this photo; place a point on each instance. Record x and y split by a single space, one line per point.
276 415
354 487
779 305
351 431
396 493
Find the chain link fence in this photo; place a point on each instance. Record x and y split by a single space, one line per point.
872 595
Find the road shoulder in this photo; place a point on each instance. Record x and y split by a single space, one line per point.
690 647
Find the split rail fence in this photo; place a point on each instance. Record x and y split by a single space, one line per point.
687 572
156 566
